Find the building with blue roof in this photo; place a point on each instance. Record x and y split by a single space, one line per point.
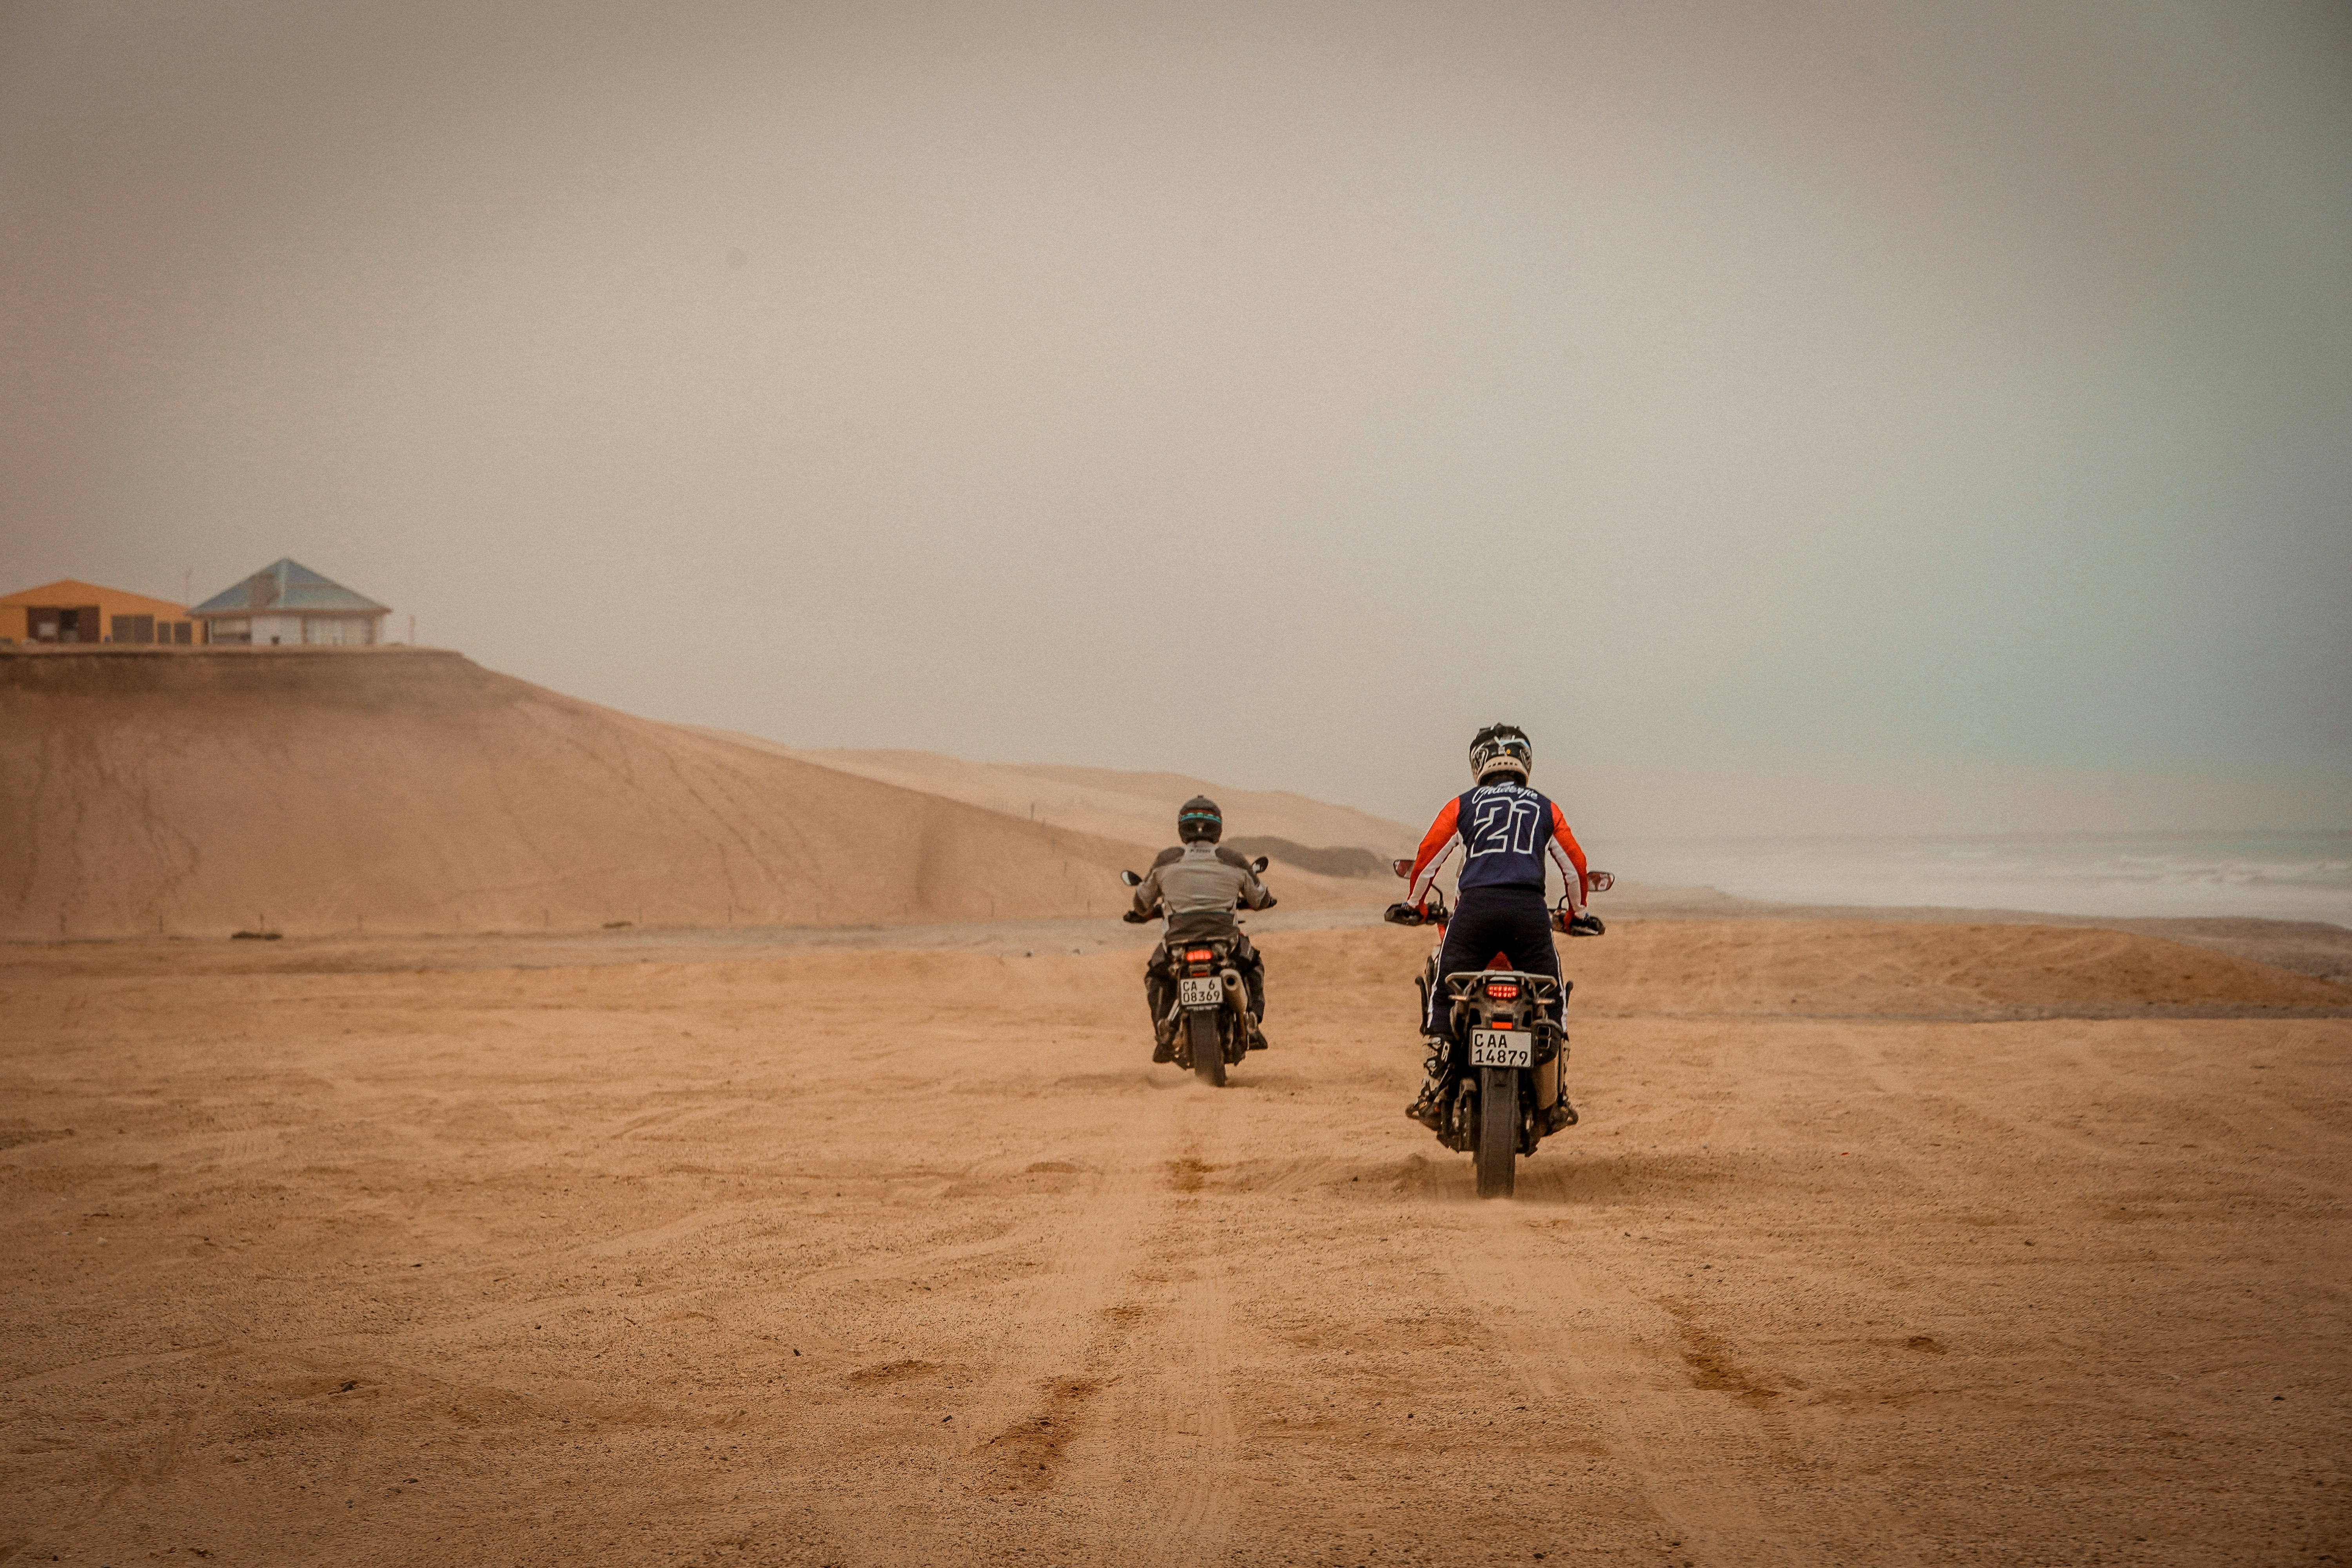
287 603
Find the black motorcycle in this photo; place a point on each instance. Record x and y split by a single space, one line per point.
1499 1032
1209 1007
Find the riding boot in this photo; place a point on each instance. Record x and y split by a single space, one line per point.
1160 998
1429 1108
1551 1093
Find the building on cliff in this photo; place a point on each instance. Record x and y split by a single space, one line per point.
71 611
287 603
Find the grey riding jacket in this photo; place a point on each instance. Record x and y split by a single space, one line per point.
1197 885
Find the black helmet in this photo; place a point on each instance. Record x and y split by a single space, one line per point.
1200 818
1501 747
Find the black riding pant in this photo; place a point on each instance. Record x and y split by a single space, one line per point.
1160 988
1513 922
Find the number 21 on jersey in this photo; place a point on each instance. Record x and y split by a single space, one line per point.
1505 825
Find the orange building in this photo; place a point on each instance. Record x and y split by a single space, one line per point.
69 611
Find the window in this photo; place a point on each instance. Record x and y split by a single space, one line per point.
339 631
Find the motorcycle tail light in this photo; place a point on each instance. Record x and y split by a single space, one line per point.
1505 991
1197 955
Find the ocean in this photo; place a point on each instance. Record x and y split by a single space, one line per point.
2273 876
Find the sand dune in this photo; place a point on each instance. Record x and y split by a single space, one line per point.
385 1253
1963 1243
395 790
390 790
1135 806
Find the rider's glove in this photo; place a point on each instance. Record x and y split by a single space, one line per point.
1133 919
1403 914
1585 925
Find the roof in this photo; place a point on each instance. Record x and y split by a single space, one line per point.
73 591
285 584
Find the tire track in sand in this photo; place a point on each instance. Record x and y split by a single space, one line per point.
1566 1329
993 1476
1189 1449
1062 1355
1163 1479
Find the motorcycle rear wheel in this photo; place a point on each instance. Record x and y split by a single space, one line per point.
1208 1050
1498 1131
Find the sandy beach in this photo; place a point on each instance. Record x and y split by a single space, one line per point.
1879 1243
600 603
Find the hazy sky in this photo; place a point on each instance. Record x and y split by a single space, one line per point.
1798 416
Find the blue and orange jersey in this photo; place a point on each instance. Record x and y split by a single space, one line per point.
1506 830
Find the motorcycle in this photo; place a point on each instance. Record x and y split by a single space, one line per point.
1209 1010
1499 1031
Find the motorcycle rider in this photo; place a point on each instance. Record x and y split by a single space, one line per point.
1197 884
1506 830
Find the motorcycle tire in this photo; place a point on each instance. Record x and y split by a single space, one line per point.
1498 1131
1208 1050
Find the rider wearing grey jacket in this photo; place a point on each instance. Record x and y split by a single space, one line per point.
1197 885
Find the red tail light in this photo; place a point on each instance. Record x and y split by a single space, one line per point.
1197 955
1506 990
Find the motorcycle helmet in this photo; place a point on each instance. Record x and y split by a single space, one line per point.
1200 818
1500 749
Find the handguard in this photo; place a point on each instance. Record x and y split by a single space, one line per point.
1403 914
1131 918
1585 925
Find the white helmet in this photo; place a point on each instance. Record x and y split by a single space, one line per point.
1501 747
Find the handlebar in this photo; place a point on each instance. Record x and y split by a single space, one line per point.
1585 924
1131 918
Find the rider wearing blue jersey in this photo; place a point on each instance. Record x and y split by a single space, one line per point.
1507 831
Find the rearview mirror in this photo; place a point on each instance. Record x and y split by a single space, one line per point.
1130 879
1402 867
1600 881
1257 864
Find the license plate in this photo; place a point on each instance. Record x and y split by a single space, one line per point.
1201 991
1502 1048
